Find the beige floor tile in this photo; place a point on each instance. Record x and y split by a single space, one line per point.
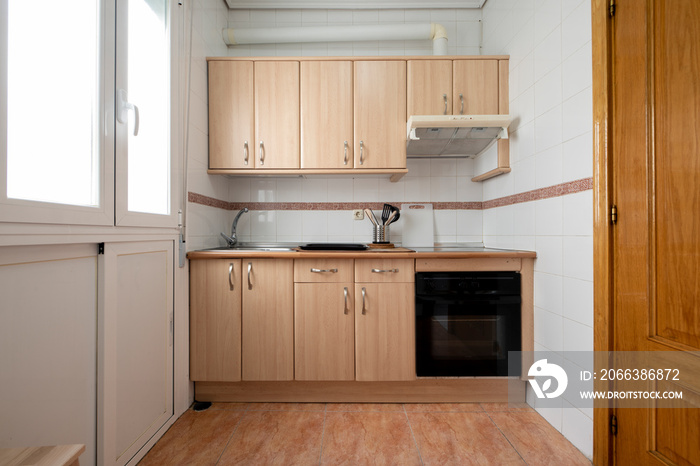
368 438
461 439
500 407
195 438
230 406
276 437
536 440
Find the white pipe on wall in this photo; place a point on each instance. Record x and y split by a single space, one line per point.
433 31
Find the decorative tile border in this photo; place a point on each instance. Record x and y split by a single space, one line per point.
543 193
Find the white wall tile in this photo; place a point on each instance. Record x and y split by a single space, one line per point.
548 215
547 54
314 190
548 91
548 167
314 223
289 223
577 337
578 429
549 253
365 189
578 301
443 188
578 114
548 292
548 330
548 129
577 71
578 157
578 214
576 29
578 257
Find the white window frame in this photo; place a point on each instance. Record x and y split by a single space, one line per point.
112 209
123 217
24 211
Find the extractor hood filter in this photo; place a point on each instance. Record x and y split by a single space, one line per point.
454 135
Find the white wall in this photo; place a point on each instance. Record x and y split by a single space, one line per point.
549 43
204 223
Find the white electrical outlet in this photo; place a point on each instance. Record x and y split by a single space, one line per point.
358 214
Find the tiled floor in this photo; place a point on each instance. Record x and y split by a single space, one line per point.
358 434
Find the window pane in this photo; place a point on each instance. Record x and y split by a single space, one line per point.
52 104
149 89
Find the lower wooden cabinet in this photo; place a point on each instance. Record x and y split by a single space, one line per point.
267 344
215 320
384 332
324 331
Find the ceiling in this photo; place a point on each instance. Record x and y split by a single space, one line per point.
353 5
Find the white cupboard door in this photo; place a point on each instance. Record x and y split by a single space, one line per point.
135 351
48 352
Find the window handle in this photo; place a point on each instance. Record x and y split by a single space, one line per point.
123 107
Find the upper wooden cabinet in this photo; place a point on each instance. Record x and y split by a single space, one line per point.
380 109
276 115
453 87
326 115
429 87
475 87
231 114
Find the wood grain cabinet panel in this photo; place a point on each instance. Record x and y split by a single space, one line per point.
267 319
231 114
384 332
324 330
429 87
215 320
477 83
276 115
326 115
380 114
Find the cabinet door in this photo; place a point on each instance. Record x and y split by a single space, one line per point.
477 83
268 319
231 114
380 114
276 115
326 114
429 87
215 320
384 332
324 329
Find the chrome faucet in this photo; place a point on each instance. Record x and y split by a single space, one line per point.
232 240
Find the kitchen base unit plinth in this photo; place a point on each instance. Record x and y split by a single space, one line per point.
423 390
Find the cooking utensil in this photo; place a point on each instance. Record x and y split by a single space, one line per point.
385 213
398 214
370 214
392 217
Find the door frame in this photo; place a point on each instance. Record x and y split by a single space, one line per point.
602 36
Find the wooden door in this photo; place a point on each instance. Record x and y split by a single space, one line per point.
215 320
429 87
655 173
475 87
231 114
380 114
267 350
385 347
326 114
276 114
324 330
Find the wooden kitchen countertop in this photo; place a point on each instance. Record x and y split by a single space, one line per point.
396 253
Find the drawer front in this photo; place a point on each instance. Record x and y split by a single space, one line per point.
323 270
384 271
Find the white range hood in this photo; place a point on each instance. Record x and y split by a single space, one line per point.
454 135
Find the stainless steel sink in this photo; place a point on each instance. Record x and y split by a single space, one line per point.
275 247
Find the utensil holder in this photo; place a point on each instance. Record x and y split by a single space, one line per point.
380 233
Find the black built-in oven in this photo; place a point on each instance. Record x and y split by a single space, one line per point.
466 322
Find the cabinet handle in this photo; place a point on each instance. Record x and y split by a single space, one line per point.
324 270
461 104
385 271
444 98
364 295
362 152
345 150
262 154
345 292
231 285
245 152
250 269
